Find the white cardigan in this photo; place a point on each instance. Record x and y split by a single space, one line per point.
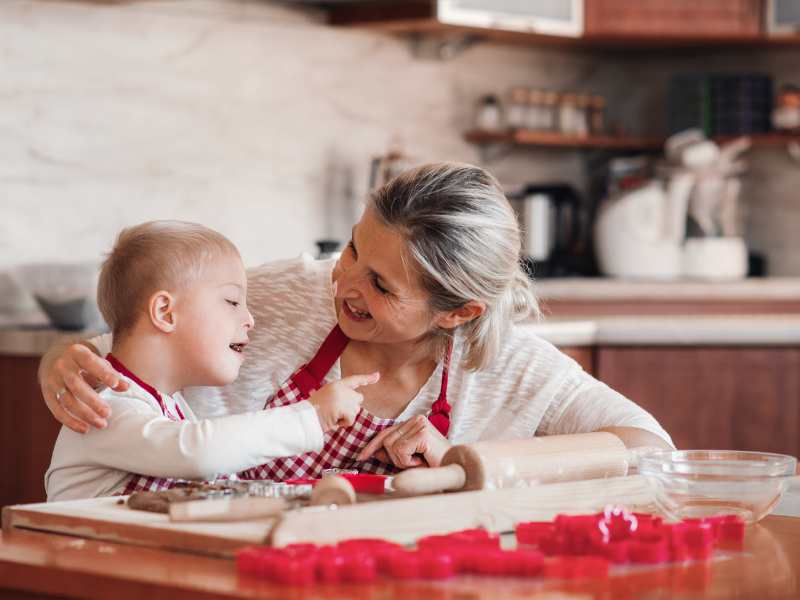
140 439
530 388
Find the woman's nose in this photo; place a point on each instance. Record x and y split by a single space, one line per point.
250 322
349 283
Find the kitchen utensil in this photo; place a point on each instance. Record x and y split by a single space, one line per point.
546 459
230 508
334 489
266 499
701 483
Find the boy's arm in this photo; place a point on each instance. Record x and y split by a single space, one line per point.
141 441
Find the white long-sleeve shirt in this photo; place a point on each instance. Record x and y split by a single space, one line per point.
140 439
530 388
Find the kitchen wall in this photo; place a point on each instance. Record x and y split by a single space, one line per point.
257 119
252 117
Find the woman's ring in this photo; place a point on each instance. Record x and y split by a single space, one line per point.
60 394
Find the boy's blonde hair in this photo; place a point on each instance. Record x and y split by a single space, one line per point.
153 256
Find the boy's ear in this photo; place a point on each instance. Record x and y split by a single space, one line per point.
161 311
463 314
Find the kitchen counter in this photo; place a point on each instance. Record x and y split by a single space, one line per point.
34 341
727 330
609 289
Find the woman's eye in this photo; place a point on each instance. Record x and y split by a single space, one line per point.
379 287
351 246
232 302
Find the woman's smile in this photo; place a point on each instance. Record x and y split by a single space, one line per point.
355 314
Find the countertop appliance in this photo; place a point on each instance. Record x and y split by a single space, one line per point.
553 228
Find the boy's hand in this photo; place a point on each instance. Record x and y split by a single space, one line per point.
338 403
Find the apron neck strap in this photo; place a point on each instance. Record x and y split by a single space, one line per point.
440 410
310 377
312 374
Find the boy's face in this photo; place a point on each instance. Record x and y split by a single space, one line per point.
212 322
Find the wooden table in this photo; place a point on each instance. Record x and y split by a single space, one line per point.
36 565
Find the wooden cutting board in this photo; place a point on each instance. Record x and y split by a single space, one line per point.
106 519
403 520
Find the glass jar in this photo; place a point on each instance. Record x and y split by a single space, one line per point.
516 113
490 115
568 115
597 118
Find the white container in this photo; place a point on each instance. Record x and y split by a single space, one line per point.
715 258
634 239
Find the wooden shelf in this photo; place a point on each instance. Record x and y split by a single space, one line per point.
559 140
605 142
419 17
762 140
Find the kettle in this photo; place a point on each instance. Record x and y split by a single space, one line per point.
551 221
639 234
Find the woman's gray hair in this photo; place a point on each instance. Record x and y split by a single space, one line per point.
464 236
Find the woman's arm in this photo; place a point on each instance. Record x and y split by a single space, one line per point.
68 372
582 404
633 437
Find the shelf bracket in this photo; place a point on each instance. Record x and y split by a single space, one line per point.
440 47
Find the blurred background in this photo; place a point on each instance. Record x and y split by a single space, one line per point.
650 149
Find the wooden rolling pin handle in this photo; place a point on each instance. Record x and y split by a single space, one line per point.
226 509
430 480
333 490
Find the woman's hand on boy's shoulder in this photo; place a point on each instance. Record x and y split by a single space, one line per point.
412 443
68 381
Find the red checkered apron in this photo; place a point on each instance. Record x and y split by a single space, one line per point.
145 483
341 445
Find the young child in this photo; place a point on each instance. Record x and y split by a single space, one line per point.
174 295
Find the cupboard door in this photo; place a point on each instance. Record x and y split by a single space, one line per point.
677 18
27 432
712 397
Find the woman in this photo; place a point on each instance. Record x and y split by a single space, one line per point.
430 293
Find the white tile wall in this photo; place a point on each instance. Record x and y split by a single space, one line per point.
258 120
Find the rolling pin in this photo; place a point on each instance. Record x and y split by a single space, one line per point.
492 465
227 509
330 490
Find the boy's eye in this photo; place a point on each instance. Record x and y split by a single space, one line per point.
352 247
232 302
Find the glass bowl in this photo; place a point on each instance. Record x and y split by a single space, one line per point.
702 483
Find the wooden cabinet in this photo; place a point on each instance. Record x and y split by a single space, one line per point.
741 398
628 24
673 18
27 432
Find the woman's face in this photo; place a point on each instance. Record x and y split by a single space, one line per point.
379 296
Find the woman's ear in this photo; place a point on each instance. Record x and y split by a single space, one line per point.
161 311
463 314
